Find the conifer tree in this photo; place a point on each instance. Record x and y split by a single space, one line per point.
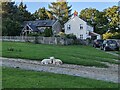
61 11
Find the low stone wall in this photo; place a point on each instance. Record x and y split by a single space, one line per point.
39 40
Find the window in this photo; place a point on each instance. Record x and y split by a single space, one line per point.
81 36
68 27
81 26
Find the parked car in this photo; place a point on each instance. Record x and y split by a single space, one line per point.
109 45
97 43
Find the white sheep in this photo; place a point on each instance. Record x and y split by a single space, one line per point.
57 62
46 61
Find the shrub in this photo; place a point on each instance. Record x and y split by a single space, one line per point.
48 32
34 34
61 34
117 36
109 35
71 36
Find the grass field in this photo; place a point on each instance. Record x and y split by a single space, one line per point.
16 78
74 54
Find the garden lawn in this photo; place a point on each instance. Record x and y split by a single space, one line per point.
17 78
73 54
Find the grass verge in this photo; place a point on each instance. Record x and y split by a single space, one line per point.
17 78
74 54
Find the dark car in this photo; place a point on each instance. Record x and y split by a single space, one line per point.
97 43
109 45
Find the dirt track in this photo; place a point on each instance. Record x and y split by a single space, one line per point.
107 74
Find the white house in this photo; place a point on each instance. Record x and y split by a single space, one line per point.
80 28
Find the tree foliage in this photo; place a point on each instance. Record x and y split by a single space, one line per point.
61 11
109 35
43 14
24 14
13 17
95 18
113 16
10 17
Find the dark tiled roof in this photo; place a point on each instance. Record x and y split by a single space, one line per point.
39 23
93 34
33 27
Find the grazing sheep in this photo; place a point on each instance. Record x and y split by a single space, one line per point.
46 61
57 62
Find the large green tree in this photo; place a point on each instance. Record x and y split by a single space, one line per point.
101 23
61 11
12 18
95 18
112 14
24 14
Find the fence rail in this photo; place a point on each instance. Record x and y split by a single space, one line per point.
39 39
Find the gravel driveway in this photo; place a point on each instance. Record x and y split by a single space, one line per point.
107 74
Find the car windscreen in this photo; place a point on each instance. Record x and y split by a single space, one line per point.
111 42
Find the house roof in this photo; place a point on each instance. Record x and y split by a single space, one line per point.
39 23
77 18
73 18
33 27
93 34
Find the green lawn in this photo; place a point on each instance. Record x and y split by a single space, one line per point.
74 54
16 78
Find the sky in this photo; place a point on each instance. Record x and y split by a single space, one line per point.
78 6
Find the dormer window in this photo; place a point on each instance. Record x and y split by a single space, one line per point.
68 27
81 26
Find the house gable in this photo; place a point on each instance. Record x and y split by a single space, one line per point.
76 26
75 18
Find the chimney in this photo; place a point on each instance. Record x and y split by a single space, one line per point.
75 13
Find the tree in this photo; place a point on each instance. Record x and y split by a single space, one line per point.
61 11
88 14
95 18
101 23
25 15
10 25
112 14
43 14
13 18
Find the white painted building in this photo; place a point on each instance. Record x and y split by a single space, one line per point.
79 28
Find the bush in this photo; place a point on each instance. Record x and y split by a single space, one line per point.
71 36
61 34
34 34
115 37
109 35
48 32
